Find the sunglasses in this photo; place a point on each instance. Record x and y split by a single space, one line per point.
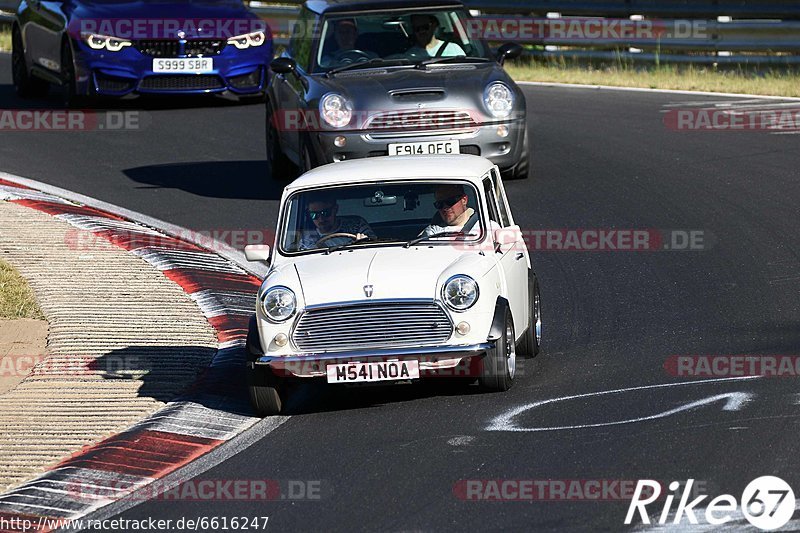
324 213
423 27
447 202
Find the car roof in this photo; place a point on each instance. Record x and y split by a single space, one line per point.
395 168
334 6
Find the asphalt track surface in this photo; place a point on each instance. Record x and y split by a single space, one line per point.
389 458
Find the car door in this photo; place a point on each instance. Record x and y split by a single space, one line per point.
513 258
291 89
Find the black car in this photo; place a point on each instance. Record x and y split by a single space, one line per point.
388 77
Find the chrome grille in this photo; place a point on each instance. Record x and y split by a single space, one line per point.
171 48
419 119
372 325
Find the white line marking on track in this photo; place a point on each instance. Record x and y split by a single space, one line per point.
735 400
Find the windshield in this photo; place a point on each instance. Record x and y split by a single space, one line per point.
412 36
379 214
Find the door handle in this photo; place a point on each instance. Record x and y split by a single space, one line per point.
520 255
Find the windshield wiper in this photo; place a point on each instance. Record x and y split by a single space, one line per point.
375 61
434 60
351 243
418 240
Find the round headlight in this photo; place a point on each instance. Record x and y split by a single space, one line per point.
335 110
278 304
499 99
460 292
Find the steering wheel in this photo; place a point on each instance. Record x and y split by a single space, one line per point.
352 56
332 235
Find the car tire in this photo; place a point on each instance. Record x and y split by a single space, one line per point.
520 170
26 86
500 363
280 168
306 159
530 345
265 389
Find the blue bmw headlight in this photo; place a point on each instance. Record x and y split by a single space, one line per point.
256 38
99 42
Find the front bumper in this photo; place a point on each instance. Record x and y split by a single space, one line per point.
483 140
241 72
456 361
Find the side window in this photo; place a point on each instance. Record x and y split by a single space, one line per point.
302 39
491 201
502 202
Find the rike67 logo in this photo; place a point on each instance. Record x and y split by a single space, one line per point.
767 503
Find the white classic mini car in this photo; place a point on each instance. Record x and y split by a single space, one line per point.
393 269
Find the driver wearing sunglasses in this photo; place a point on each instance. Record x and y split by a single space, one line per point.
323 213
452 213
424 33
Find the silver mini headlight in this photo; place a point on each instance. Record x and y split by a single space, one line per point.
335 110
460 292
499 99
278 303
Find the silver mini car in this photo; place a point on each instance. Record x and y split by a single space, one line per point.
388 77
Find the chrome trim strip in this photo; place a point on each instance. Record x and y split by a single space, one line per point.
464 351
370 301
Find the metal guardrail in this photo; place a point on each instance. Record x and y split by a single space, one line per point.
696 9
760 38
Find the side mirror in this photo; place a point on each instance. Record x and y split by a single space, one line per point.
283 65
504 236
508 51
257 252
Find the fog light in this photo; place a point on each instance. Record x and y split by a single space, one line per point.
502 131
280 340
339 141
463 328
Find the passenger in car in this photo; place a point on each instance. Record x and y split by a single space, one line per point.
323 213
424 29
452 213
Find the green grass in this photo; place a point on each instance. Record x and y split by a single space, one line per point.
16 297
5 38
774 81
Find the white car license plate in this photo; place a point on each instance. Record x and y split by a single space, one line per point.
424 148
184 65
378 371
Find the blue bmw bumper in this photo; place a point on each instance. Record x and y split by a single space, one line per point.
100 72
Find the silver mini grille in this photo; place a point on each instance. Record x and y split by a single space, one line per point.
373 325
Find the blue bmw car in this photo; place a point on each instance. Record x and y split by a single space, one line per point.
121 47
